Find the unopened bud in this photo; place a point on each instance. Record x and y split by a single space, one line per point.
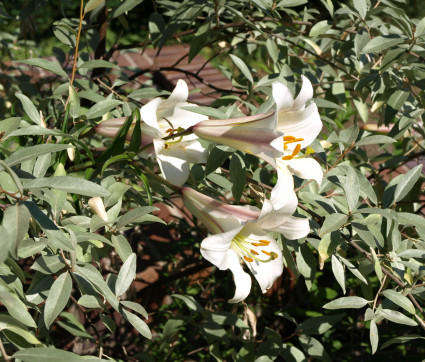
71 153
325 144
43 122
376 106
96 205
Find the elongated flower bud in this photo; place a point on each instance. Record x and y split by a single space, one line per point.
96 205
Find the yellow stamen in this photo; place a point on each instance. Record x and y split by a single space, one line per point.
248 259
254 252
296 150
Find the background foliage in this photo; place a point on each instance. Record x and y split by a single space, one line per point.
352 289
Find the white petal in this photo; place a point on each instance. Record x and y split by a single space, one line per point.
293 227
149 116
215 248
304 124
283 195
282 96
306 168
265 273
242 279
194 151
179 95
306 93
174 167
184 118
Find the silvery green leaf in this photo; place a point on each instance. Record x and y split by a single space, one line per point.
346 302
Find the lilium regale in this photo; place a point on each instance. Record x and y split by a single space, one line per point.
300 125
162 118
242 233
276 137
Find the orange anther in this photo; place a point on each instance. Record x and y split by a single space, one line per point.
253 252
265 252
288 138
248 259
266 242
296 150
287 158
285 146
257 244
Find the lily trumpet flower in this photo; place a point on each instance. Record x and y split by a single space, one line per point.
256 134
300 125
164 118
276 137
241 233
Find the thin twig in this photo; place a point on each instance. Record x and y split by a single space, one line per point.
3 351
379 292
80 25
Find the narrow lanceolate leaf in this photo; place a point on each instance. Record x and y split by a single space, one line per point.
376 264
380 43
51 354
92 4
237 176
27 153
394 104
242 67
46 64
374 336
352 188
92 275
98 63
397 317
29 108
407 182
125 6
137 323
58 298
16 220
134 215
100 108
16 308
135 306
373 140
126 275
346 302
70 184
361 7
339 272
333 222
400 300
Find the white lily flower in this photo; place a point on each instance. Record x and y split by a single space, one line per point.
166 117
300 125
162 118
241 233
